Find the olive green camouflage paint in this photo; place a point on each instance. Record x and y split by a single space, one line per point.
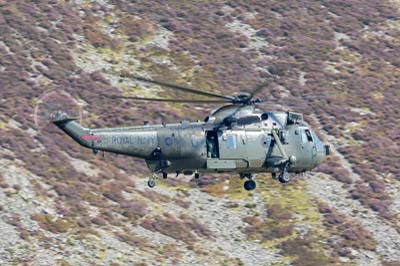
250 141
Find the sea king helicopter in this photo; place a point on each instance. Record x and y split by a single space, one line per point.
234 138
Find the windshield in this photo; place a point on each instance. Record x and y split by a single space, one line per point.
318 142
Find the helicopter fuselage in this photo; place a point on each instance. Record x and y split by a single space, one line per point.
242 142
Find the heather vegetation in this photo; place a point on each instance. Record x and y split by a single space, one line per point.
344 51
292 226
352 234
184 229
277 225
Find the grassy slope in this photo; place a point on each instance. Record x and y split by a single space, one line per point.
344 48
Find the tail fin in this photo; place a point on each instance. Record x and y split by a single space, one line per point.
71 128
60 117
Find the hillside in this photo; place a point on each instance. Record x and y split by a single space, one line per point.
62 205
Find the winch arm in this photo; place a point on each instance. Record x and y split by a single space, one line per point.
280 146
284 176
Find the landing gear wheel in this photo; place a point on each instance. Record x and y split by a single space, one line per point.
197 175
164 175
284 177
250 185
151 183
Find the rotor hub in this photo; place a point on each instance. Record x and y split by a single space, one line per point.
244 98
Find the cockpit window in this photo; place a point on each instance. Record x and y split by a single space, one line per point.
306 136
309 136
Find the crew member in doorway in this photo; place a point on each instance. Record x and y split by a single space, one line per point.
211 147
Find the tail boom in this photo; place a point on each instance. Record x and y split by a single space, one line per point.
134 143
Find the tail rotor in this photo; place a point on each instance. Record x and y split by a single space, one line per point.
54 105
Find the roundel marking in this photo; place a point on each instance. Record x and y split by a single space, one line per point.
168 141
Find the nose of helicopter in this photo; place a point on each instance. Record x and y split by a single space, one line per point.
322 153
322 150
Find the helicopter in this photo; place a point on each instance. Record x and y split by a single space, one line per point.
236 138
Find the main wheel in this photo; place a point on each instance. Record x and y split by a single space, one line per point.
284 177
164 175
151 183
250 185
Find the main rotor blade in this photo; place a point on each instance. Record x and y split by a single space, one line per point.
307 97
182 88
258 89
165 100
304 97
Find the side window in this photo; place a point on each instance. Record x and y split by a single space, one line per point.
231 142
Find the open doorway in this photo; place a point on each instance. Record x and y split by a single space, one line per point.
212 144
